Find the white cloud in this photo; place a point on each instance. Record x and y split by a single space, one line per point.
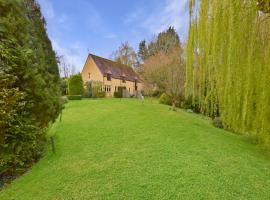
172 13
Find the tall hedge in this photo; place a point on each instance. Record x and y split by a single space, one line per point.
75 85
29 84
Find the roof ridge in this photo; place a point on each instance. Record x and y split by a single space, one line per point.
116 69
111 60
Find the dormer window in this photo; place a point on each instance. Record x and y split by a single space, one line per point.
109 77
123 77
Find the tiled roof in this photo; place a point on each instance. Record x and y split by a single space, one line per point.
117 70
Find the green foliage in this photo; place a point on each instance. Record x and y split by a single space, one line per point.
143 51
101 94
64 86
165 99
75 85
29 84
217 122
119 92
264 5
74 97
87 90
96 89
191 103
228 64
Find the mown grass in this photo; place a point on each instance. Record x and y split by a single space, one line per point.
123 149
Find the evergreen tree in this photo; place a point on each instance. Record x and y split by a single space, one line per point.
29 83
143 51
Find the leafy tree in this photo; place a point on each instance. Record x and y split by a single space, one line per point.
166 72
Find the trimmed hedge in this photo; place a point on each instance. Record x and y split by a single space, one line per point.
74 97
75 85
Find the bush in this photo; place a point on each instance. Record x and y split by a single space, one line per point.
101 94
87 90
74 97
96 88
75 85
165 99
63 100
64 86
217 122
157 93
189 104
119 92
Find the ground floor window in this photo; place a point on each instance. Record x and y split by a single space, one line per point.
107 88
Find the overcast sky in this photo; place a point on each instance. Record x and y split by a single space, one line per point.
77 27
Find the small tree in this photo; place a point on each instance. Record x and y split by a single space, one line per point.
75 85
88 89
96 88
166 73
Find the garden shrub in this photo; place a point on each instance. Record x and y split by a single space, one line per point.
87 90
101 94
217 122
165 99
190 103
63 100
157 93
74 97
75 85
96 87
119 92
64 86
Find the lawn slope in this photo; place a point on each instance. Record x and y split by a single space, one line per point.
123 149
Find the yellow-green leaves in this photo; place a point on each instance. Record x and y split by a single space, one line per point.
228 64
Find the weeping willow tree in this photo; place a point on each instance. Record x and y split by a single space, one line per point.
228 63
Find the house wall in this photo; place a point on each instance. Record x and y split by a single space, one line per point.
96 75
114 83
90 67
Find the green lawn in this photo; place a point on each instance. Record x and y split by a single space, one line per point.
123 149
